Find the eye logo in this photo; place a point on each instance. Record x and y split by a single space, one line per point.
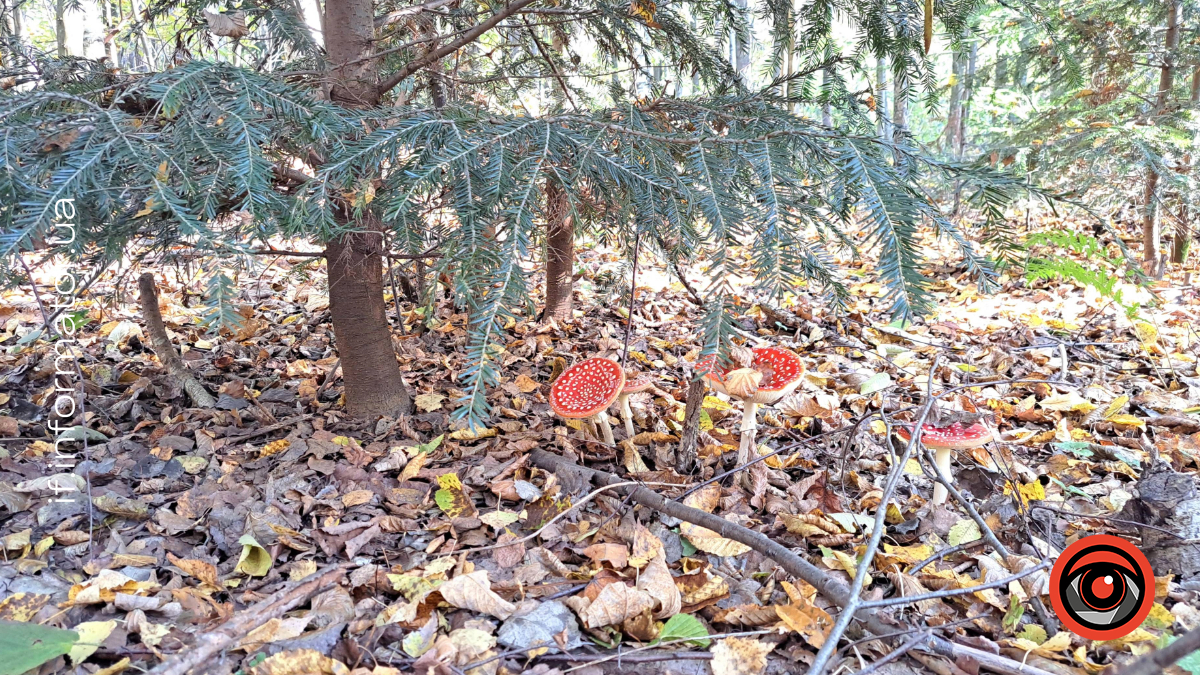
1102 587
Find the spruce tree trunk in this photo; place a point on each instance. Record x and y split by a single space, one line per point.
826 108
741 54
954 112
60 27
1151 223
364 342
968 96
899 113
560 252
881 97
1182 241
374 386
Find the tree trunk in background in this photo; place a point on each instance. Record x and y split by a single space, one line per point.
741 62
1182 241
374 386
881 97
60 27
899 111
110 41
968 96
826 108
1151 223
954 111
560 252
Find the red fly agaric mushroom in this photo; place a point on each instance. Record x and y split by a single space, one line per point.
773 374
639 383
944 439
586 389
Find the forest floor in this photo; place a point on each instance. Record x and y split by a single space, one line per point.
196 516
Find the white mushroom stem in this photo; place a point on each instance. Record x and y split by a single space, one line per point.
941 457
749 431
605 427
626 415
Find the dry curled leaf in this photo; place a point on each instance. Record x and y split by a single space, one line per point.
656 580
231 25
474 592
616 603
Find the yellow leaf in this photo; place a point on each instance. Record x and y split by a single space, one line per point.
161 174
22 606
468 435
254 561
1029 491
714 403
429 402
274 447
808 620
526 384
149 208
91 634
414 466
1128 421
300 662
115 668
451 499
710 542
1146 332
964 531
1115 407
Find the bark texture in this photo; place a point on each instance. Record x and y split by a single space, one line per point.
374 386
560 252
685 459
1182 241
164 350
1151 223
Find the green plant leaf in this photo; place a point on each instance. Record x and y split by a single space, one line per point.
877 382
431 445
25 646
683 626
255 560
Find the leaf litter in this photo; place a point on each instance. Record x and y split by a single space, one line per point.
198 514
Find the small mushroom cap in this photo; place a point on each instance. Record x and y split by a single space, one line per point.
782 372
586 388
953 437
640 382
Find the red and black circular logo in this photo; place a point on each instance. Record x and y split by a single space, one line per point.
1102 587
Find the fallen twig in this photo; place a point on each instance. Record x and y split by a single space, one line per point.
164 350
1158 660
211 642
895 653
949 592
792 563
263 431
825 653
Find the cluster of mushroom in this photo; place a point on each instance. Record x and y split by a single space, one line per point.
772 374
588 388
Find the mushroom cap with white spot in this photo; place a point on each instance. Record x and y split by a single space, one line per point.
640 382
953 437
586 388
782 372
